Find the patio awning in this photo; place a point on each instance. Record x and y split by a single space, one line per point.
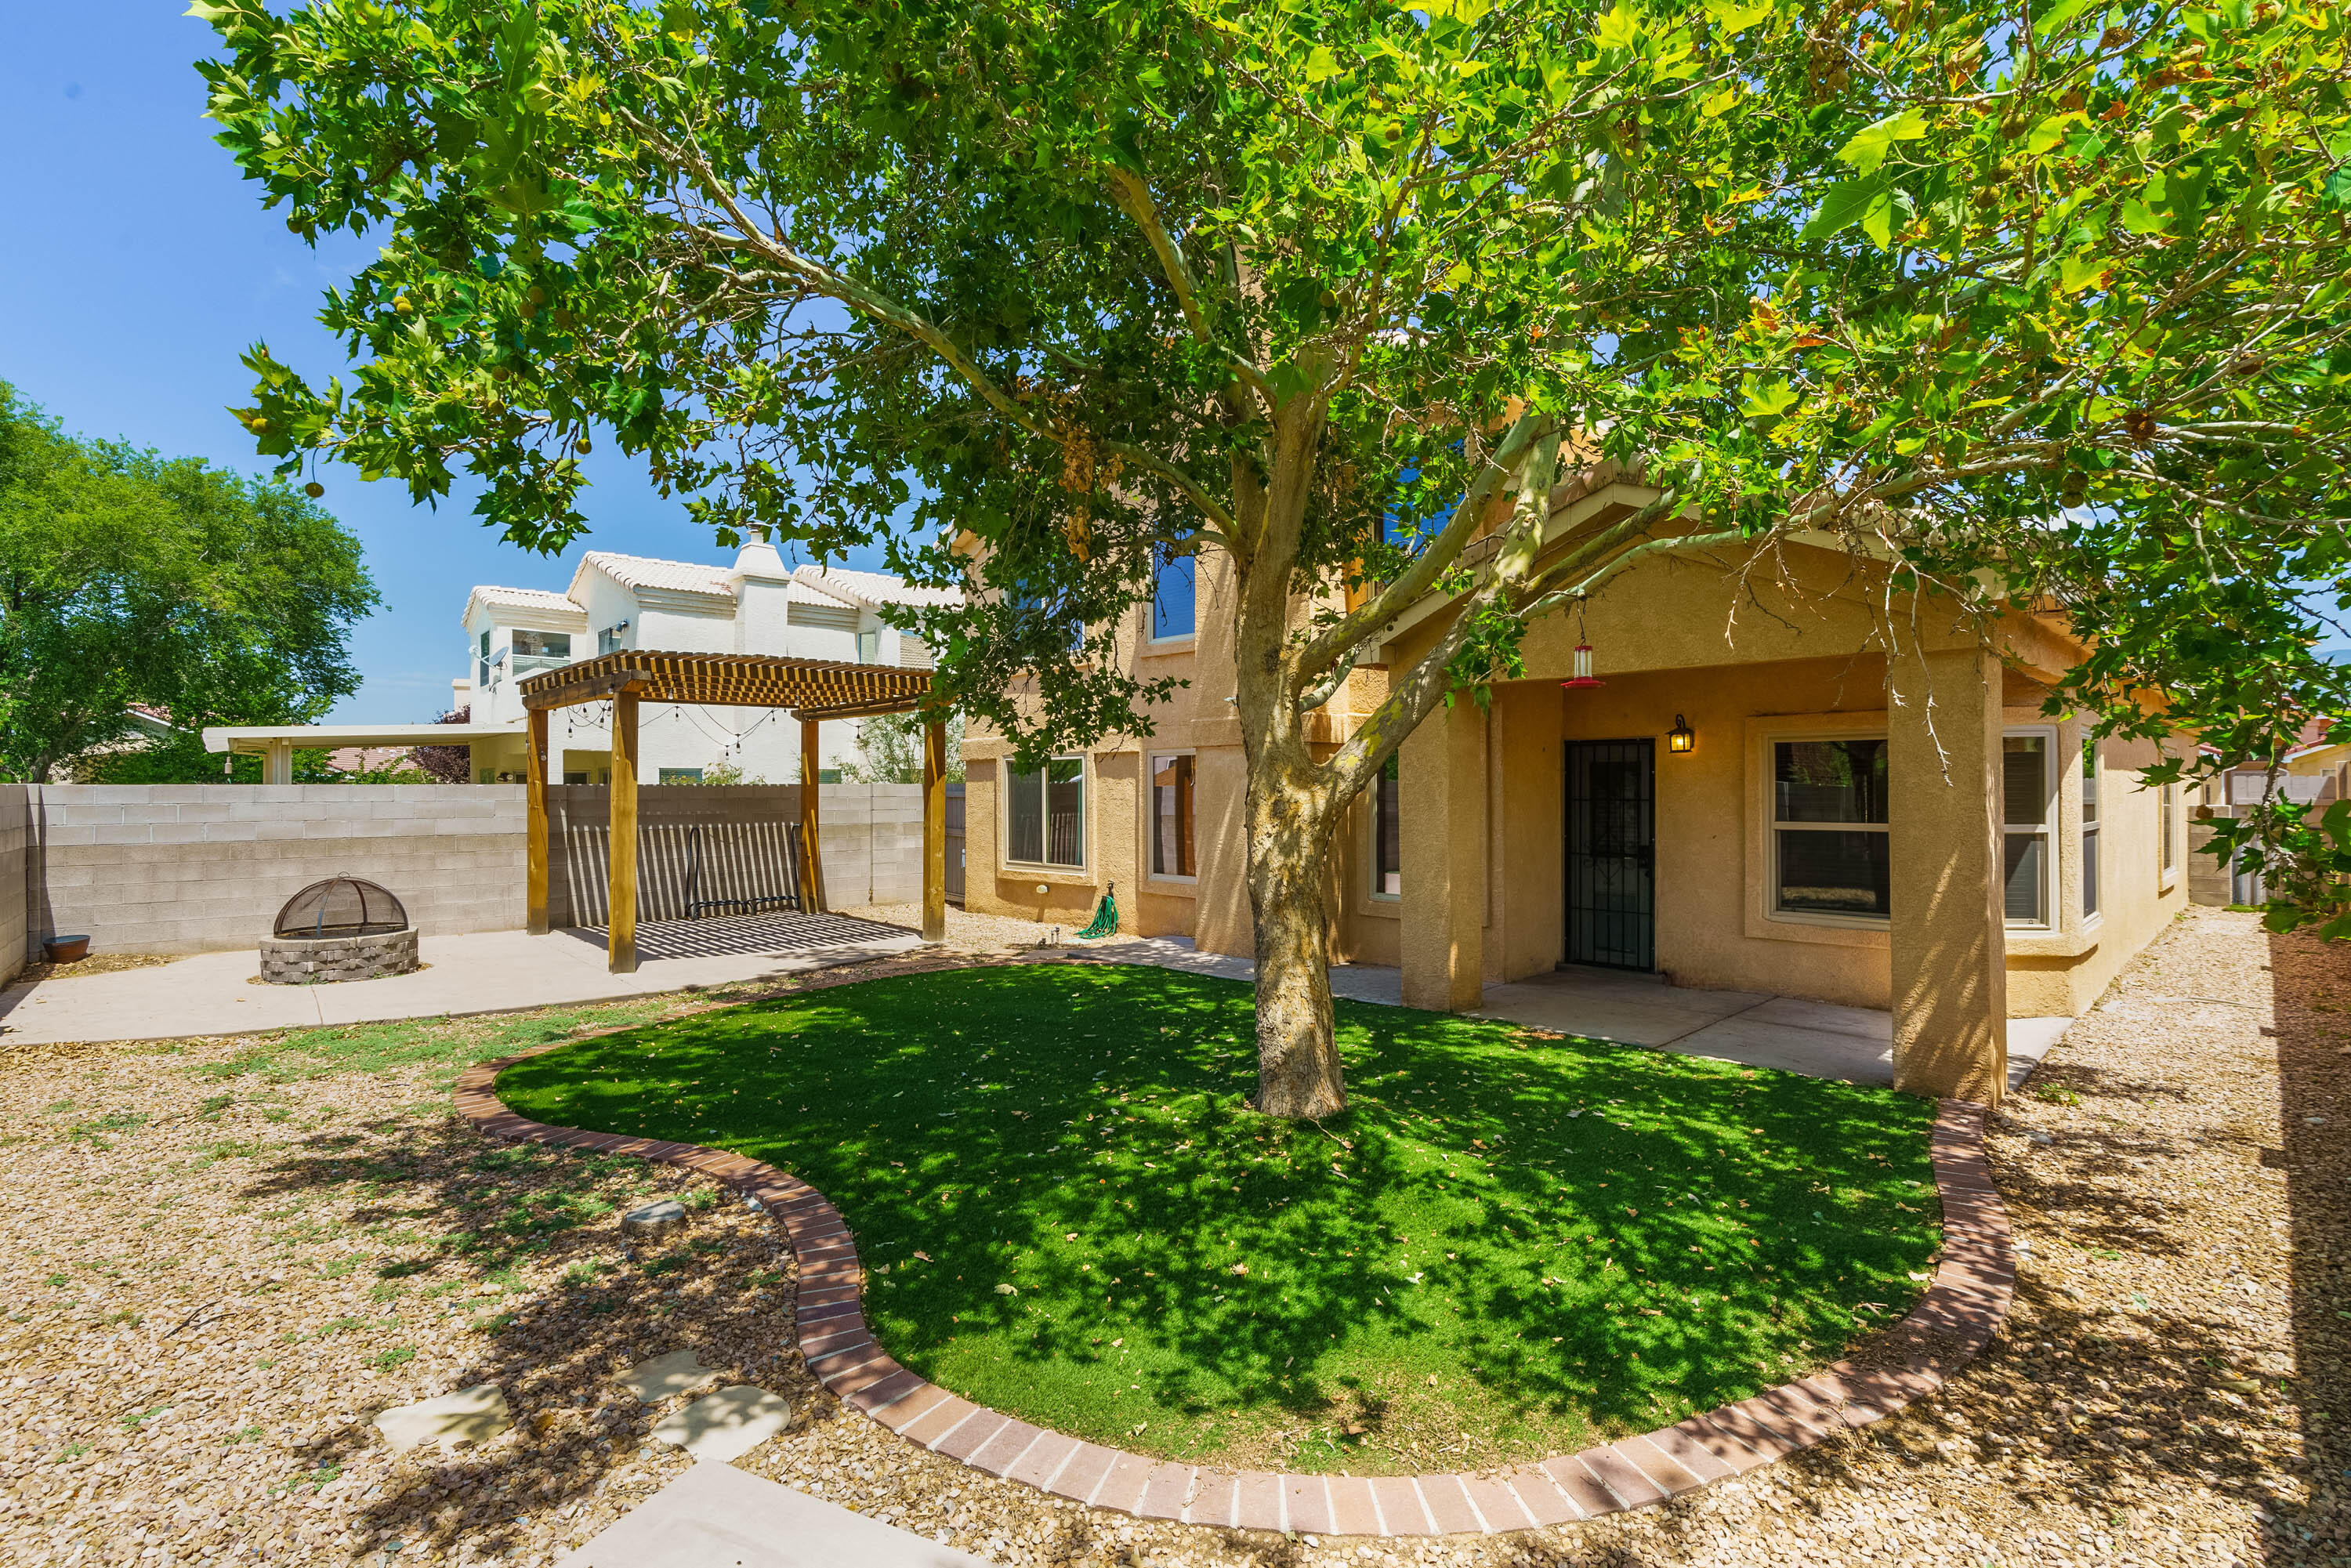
813 689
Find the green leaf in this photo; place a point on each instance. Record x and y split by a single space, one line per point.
1887 211
2047 136
1766 401
1841 207
2338 188
2057 16
2079 272
1872 143
2140 220
1720 104
1732 18
1620 29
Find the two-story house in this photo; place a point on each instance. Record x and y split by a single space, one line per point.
1773 783
758 605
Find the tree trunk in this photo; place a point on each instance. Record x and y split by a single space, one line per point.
1297 1060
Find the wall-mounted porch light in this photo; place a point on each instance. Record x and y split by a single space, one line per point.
1681 738
1584 679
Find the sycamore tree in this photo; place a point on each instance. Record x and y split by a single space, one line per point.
2008 301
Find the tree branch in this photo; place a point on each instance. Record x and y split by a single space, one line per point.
1335 641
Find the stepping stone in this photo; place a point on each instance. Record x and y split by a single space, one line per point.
473 1415
715 1516
653 1220
679 1372
727 1425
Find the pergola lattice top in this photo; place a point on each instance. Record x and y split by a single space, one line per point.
811 688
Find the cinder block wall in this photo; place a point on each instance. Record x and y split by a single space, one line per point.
192 868
15 823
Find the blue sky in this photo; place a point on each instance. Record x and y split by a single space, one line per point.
137 266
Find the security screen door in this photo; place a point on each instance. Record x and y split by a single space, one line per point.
1611 834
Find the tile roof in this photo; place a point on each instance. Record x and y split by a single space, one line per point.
645 572
536 598
871 588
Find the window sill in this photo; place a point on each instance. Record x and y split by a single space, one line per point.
1829 930
1170 644
1052 875
1173 880
1173 887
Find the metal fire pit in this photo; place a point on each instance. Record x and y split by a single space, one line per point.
344 929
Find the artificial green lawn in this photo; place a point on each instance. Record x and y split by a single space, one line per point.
1508 1245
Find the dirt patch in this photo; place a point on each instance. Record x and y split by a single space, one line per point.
96 964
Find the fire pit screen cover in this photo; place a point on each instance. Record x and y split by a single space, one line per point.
340 907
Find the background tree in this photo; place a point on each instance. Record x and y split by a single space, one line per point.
890 750
126 577
1069 289
448 764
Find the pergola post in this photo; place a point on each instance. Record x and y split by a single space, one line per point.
934 832
621 908
811 863
535 841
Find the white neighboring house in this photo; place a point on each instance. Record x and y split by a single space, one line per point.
614 601
758 606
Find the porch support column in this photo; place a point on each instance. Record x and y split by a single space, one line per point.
1442 851
934 832
277 762
621 905
534 850
1947 869
811 861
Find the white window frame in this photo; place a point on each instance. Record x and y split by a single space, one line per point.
1773 826
1085 816
1151 816
2052 749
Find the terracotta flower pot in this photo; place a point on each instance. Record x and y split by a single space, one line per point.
65 949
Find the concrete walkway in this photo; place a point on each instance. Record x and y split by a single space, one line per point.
487 971
1754 1027
499 971
715 1516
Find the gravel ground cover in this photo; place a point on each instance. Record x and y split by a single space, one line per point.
2172 1388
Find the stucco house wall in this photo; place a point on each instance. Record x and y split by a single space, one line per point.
1744 664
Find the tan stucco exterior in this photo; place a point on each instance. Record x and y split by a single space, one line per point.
1745 663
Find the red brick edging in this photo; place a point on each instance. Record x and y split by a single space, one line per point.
1952 1322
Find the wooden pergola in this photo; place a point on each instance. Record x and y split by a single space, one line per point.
813 689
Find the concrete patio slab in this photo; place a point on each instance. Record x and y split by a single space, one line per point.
715 1516
479 972
1820 1040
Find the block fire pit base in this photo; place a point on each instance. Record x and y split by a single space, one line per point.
315 960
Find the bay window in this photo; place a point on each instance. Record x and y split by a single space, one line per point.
2089 827
2027 789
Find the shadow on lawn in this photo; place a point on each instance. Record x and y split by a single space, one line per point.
1570 1239
554 1354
